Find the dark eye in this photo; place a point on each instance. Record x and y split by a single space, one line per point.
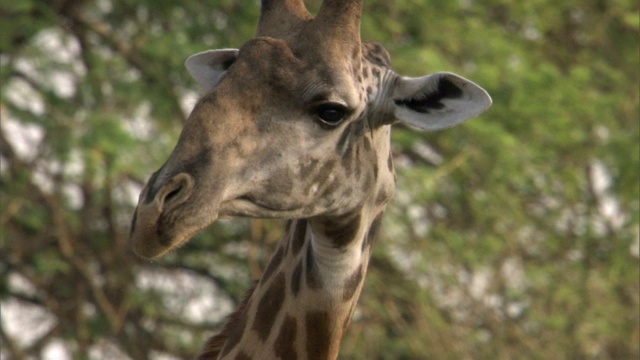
331 114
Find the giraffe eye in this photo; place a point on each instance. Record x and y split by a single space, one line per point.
331 114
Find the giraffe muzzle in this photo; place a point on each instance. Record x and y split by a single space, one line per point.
156 226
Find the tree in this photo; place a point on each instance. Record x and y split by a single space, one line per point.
513 235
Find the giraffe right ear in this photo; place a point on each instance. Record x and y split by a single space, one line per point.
438 101
208 67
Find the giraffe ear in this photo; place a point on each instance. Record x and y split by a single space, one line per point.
208 67
438 101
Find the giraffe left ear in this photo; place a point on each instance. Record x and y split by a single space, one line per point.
207 67
438 101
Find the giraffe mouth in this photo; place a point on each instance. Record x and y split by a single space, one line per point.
247 205
154 234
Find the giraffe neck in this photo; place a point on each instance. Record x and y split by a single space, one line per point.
304 301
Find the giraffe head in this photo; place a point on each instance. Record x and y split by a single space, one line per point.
294 124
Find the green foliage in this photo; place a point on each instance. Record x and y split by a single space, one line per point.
516 238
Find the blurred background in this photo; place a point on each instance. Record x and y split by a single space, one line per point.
513 236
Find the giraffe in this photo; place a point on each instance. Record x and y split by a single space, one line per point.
295 125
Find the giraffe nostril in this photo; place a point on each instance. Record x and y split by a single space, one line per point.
173 194
176 190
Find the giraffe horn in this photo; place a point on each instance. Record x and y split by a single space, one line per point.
340 19
279 17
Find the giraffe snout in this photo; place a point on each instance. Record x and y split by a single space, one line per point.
153 229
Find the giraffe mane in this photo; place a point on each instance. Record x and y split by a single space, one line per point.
215 344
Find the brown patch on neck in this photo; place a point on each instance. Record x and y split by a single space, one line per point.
341 231
311 272
372 234
296 279
242 356
269 307
318 327
274 263
299 236
285 345
352 284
